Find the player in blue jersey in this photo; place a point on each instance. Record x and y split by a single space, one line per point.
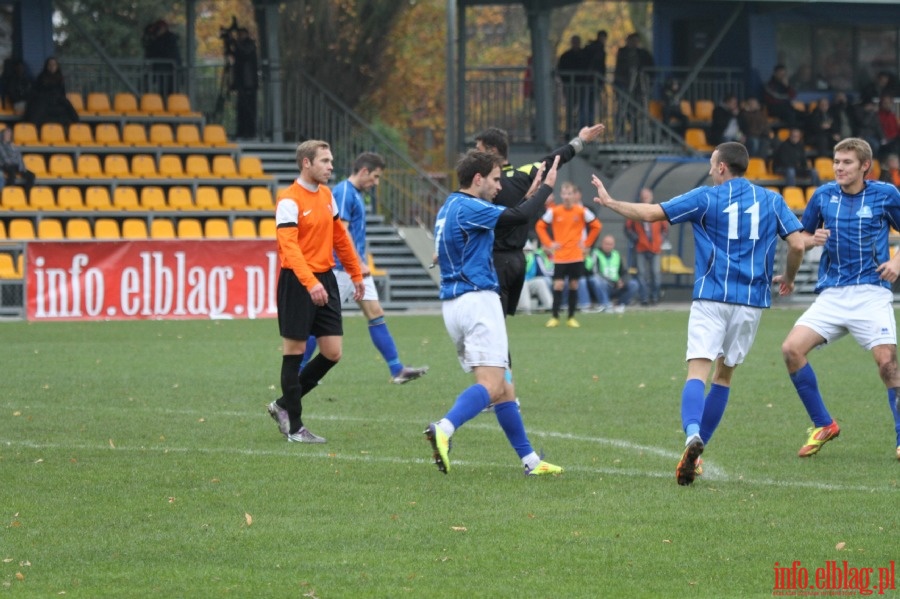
853 217
736 226
348 194
473 313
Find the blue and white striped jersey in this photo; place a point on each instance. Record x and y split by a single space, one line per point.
860 225
351 208
464 241
736 229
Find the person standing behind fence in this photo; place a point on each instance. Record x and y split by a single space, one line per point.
245 82
309 233
736 225
162 49
630 78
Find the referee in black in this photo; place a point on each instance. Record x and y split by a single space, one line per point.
509 257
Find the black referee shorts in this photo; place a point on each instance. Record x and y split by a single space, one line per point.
510 267
299 317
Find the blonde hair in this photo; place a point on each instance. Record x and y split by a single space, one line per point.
860 147
309 149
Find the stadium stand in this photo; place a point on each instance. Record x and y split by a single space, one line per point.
78 229
162 229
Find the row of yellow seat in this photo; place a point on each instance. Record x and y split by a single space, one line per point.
124 103
131 134
698 110
171 166
78 229
127 198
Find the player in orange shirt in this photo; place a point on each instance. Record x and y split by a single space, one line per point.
567 244
308 231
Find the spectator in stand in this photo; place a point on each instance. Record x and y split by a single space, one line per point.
571 67
17 84
754 125
672 114
820 132
890 127
162 48
11 162
629 76
538 270
842 116
868 125
608 277
890 171
648 238
778 97
790 161
725 125
48 102
885 82
595 61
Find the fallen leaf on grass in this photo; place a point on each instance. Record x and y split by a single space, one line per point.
459 528
667 541
248 519
111 444
17 413
840 546
171 500
20 576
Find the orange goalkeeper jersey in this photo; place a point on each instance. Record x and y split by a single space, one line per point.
568 224
308 230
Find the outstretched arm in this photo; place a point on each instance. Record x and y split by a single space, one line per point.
631 210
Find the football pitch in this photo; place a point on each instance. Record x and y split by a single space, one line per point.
137 460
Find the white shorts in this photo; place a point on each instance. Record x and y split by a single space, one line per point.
864 311
476 325
346 288
716 329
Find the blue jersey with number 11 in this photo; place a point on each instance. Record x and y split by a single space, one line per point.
736 229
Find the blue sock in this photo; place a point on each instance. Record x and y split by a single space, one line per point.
383 341
510 419
692 406
716 400
892 401
808 389
310 350
468 405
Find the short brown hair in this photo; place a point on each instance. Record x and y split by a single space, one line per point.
854 144
308 149
735 156
474 163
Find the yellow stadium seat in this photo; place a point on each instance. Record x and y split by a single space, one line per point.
794 197
125 103
170 166
215 135
370 262
50 229
655 108
189 228
703 110
13 198
825 167
162 228
234 198
89 166
758 171
161 135
874 172
61 165
672 264
125 198
207 198
224 166
76 100
134 134
98 103
810 190
106 228
96 197
21 229
53 134
153 198
116 165
2 230
41 198
80 134
695 137
180 198
261 198
36 164
78 228
143 165
134 228
267 228
687 109
25 134
197 165
152 104
69 197
107 134
188 135
8 268
243 228
216 228
251 166
180 104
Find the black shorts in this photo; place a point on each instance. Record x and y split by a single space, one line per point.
571 270
510 267
299 317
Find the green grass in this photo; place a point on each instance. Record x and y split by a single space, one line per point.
137 460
